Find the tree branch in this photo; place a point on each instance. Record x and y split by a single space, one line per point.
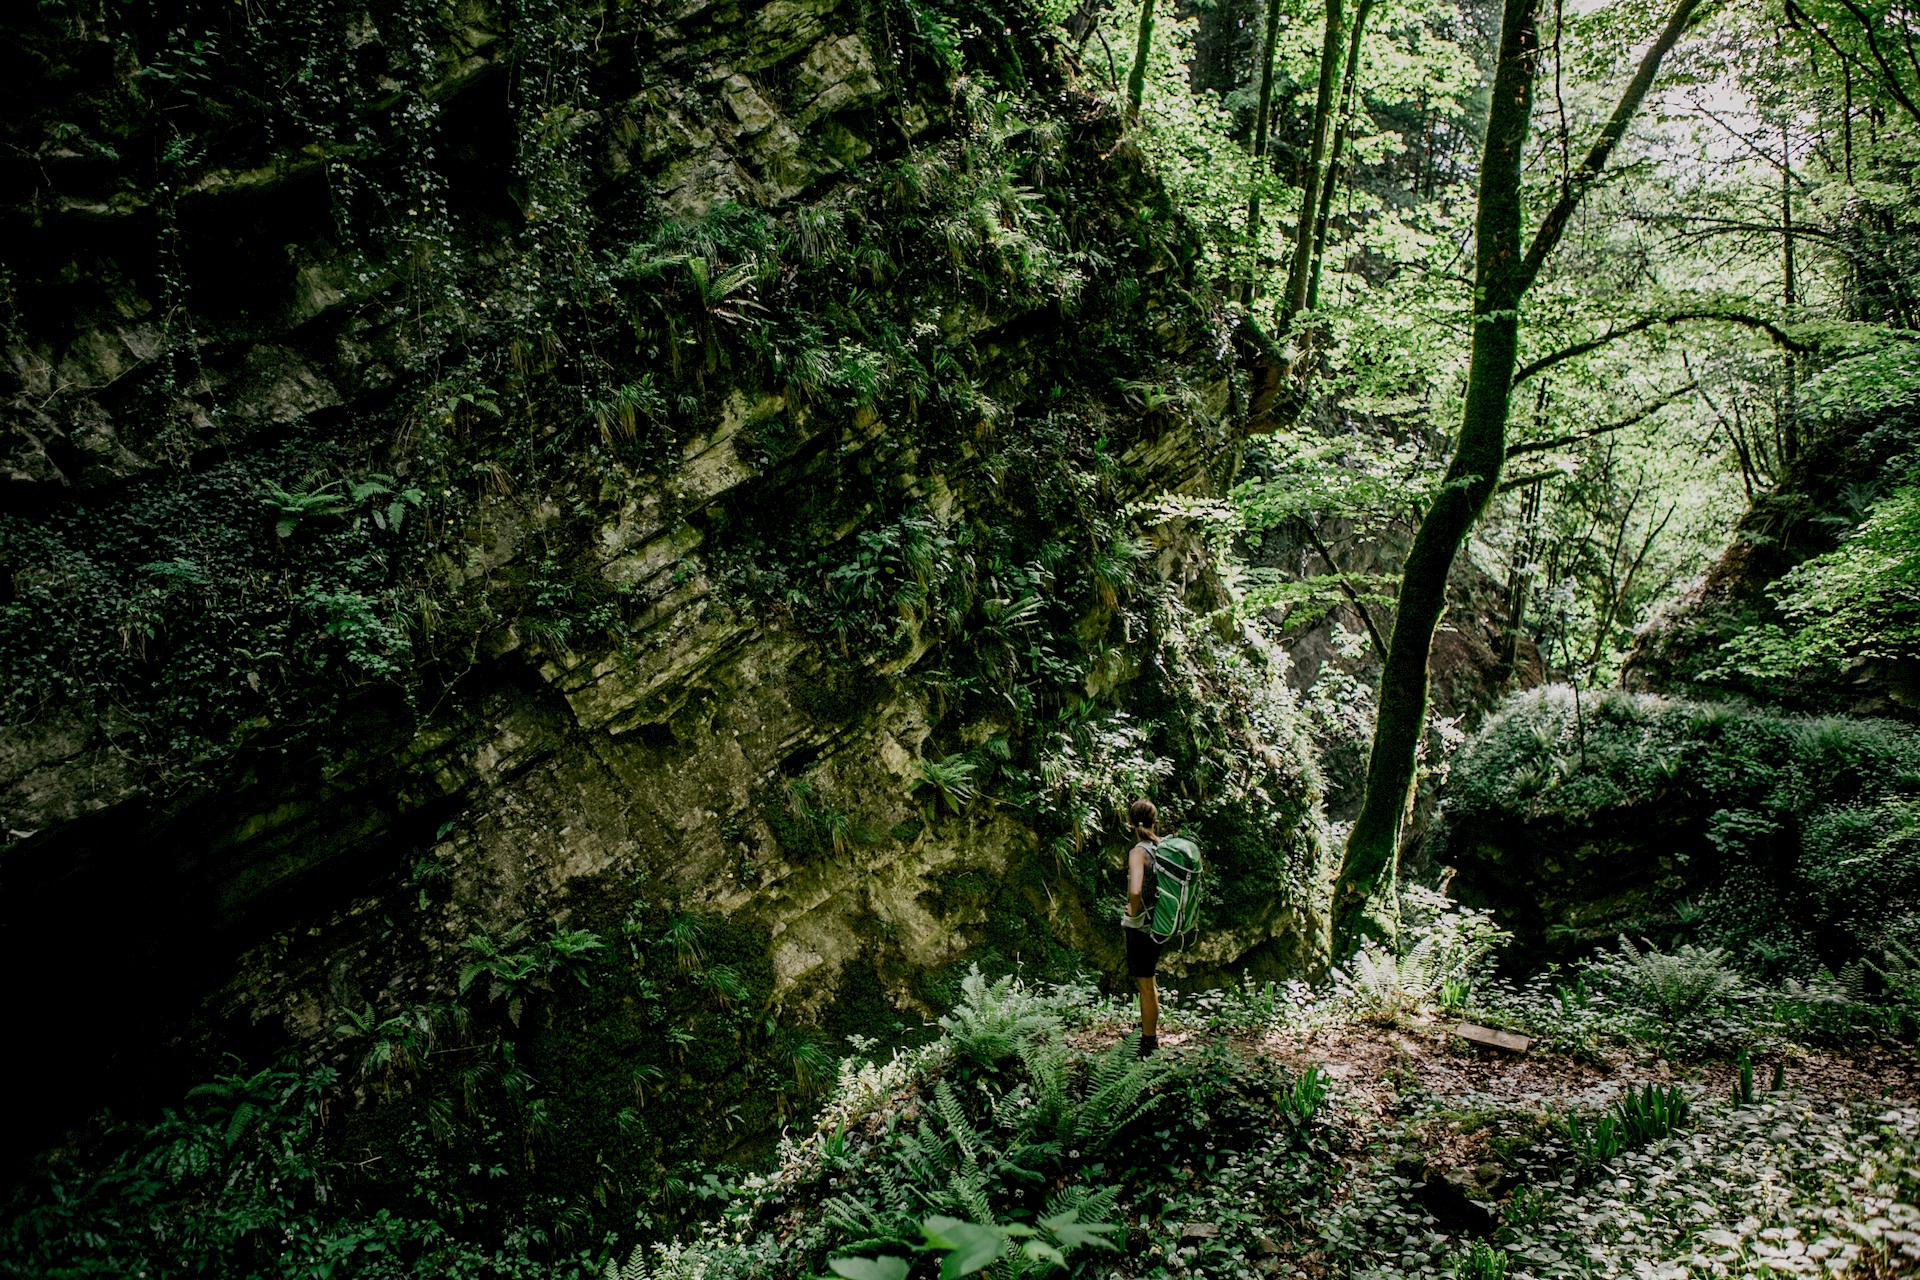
1768 327
1718 226
1794 11
1560 442
1887 72
1745 141
1313 536
1555 224
1507 486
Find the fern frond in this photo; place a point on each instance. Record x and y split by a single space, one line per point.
1117 1093
959 1132
242 1117
636 1268
1046 1063
993 1020
969 1194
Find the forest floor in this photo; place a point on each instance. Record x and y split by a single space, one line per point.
1464 1143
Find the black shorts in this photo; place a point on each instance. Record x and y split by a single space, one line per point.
1143 953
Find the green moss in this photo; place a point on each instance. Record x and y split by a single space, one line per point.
1014 934
862 1007
839 697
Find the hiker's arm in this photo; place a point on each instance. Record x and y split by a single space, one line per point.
1136 879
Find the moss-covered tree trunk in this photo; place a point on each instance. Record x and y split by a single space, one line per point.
1297 273
1349 103
1501 279
1260 123
1464 491
1142 49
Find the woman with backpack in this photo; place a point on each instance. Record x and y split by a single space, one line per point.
1143 952
1163 901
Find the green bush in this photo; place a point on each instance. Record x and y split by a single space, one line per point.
1682 983
582 1080
1788 841
996 1021
1855 603
1020 1163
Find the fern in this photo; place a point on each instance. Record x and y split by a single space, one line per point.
1681 983
1385 985
1048 1109
950 782
991 1022
676 1261
1118 1084
1443 945
636 1268
967 1156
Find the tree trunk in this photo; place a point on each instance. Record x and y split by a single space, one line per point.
1501 279
1349 99
1316 158
1787 290
1260 146
1137 78
1468 484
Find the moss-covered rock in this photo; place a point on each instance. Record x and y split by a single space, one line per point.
1786 839
487 478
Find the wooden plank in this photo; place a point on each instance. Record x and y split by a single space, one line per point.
1487 1037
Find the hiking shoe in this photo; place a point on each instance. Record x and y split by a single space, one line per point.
1149 1045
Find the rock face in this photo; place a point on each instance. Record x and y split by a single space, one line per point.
1847 463
557 470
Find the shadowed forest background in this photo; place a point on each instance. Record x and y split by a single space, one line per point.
584 588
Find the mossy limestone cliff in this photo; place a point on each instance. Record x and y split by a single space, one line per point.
482 471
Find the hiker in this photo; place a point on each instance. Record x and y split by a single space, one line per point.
1143 952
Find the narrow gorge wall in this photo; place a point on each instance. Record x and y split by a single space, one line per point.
479 473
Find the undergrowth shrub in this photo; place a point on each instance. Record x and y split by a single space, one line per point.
231 1183
1691 1004
1683 983
1787 841
1441 945
996 1021
1005 1133
1792 1184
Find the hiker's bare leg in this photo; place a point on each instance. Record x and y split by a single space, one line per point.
1149 1007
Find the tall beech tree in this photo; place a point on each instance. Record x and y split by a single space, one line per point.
1297 272
1502 277
1349 103
1260 123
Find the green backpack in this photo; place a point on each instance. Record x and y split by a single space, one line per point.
1176 872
